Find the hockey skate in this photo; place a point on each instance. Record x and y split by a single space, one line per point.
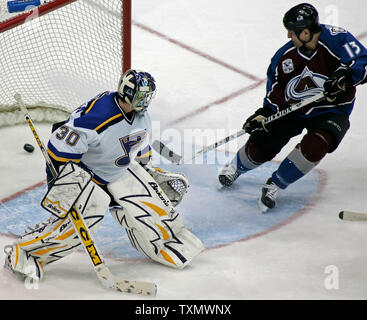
268 196
17 262
228 175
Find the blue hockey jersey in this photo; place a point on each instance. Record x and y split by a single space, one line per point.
294 75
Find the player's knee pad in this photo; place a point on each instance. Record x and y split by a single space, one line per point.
153 225
315 145
56 237
257 154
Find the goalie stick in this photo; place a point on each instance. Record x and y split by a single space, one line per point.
107 279
167 153
352 216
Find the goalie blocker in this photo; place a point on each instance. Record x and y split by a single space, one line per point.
152 223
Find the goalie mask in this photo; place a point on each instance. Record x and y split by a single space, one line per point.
137 88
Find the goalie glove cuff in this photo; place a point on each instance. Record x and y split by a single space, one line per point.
174 185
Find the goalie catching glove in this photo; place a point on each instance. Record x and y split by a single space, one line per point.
174 185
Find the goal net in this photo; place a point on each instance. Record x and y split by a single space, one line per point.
61 54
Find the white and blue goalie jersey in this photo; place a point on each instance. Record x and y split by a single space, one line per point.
101 137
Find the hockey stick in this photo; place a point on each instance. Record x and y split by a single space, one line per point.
107 279
352 216
167 153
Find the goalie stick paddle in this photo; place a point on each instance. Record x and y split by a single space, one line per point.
105 276
167 153
352 216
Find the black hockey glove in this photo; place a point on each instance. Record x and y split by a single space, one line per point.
255 124
338 84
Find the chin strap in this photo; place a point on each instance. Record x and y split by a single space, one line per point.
305 42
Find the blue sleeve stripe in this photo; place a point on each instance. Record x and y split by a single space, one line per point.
62 156
145 150
103 126
144 155
98 180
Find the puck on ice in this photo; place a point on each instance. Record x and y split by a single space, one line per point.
28 147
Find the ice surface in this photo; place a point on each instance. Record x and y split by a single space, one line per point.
290 261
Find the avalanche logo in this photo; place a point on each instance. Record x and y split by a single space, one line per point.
304 86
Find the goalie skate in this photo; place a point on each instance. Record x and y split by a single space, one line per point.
21 264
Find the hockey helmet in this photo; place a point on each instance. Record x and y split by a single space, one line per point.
137 88
300 17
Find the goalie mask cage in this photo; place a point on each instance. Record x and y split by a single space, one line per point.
61 54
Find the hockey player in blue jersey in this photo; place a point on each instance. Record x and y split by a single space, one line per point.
108 139
319 58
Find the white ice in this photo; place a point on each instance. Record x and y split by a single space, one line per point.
291 262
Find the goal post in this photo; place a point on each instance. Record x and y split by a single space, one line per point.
61 54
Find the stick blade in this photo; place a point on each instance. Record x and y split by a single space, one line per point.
109 281
352 216
166 152
136 287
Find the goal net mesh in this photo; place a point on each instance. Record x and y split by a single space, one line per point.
61 59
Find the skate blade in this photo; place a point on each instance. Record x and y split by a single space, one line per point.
263 208
218 186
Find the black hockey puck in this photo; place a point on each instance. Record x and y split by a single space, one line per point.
28 147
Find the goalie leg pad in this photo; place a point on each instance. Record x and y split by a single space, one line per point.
56 238
153 225
68 186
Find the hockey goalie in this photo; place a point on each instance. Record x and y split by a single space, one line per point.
103 159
